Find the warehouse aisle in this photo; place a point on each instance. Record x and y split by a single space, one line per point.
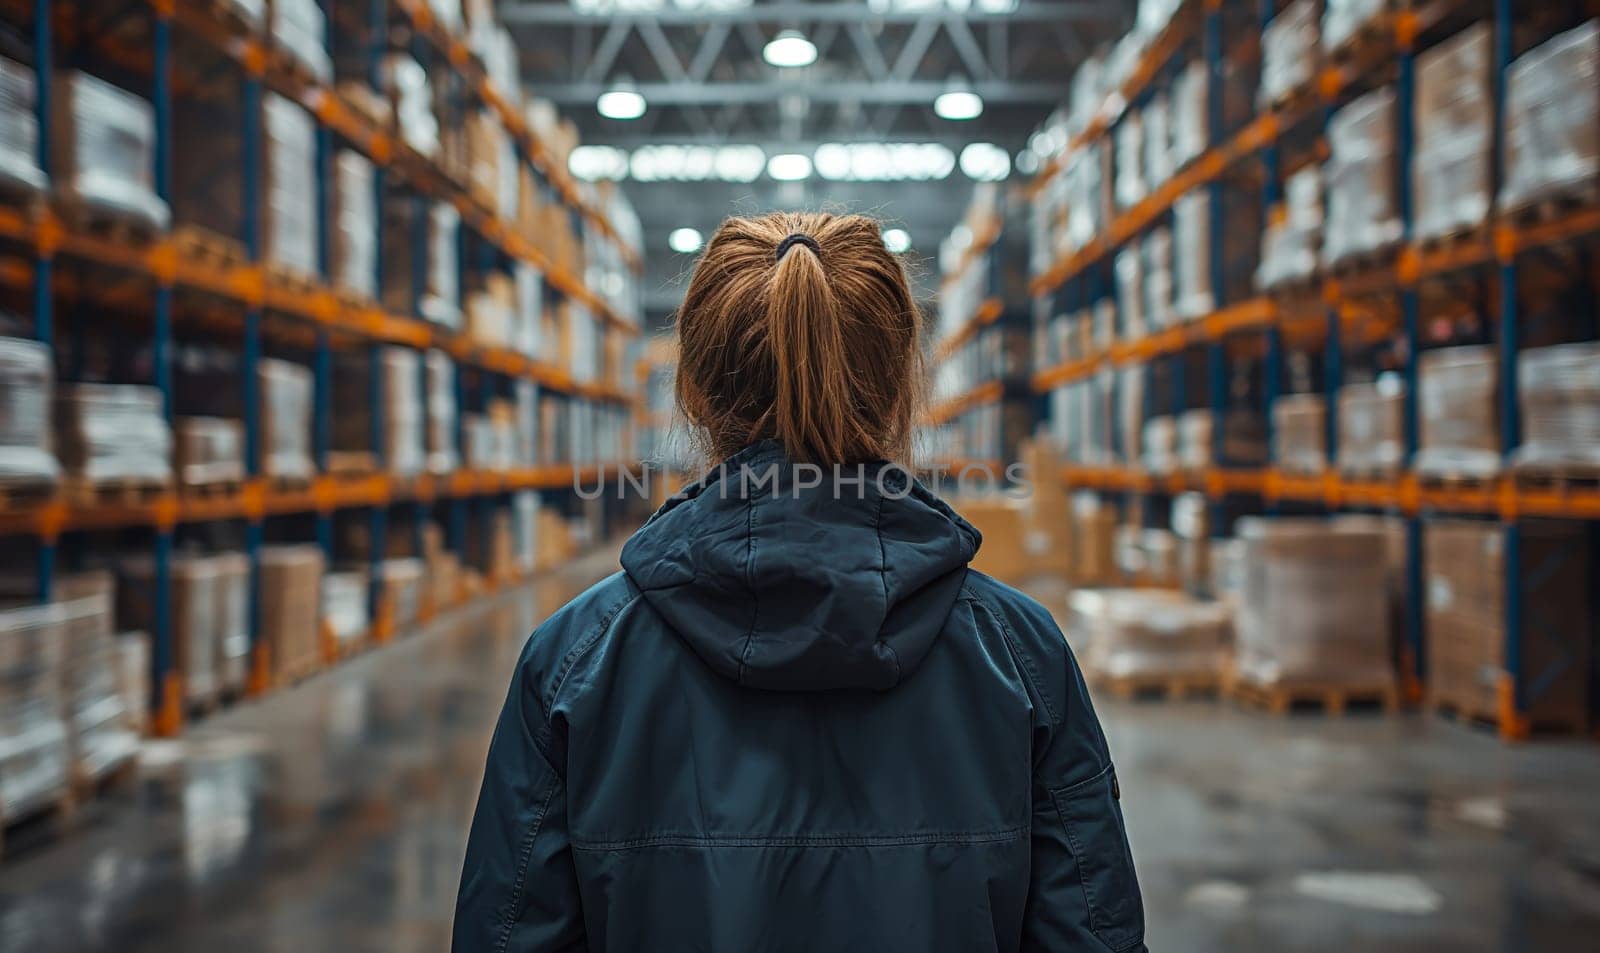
332 817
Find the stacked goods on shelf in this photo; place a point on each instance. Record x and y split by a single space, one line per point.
439 404
1243 439
1363 217
290 208
399 380
102 154
285 419
528 316
20 174
1371 417
410 99
1192 274
401 582
1558 389
26 396
232 619
1467 649
291 595
435 297
1288 52
197 604
298 28
1299 422
1393 531
1129 384
1225 582
352 247
100 735
525 529
1459 434
35 761
609 270
1140 635
1191 526
130 669
1157 283
209 451
1307 616
1159 443
491 309
1552 120
1094 530
1344 19
443 569
1291 244
344 605
1129 185
111 433
1450 173
491 438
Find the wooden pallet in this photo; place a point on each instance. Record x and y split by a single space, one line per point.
351 463
297 671
19 496
1159 687
207 247
1331 698
1370 474
1558 476
289 482
213 489
1456 480
291 278
91 786
124 492
106 224
1475 716
1553 207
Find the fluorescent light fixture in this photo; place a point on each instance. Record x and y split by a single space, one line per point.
958 105
883 161
897 240
790 49
678 163
985 162
685 241
620 103
789 167
593 163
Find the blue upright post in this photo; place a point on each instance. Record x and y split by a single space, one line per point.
1510 411
1416 660
378 516
1216 358
43 265
250 369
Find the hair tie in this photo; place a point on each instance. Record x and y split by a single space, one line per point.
797 239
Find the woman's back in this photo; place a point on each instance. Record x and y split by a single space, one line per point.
797 721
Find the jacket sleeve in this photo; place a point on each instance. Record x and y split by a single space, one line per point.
519 890
1083 894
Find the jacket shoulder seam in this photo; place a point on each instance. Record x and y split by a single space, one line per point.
1023 659
579 650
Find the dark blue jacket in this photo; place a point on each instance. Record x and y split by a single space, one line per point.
796 721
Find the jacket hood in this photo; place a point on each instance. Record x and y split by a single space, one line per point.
780 584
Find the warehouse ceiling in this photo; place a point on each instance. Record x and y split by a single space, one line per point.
879 66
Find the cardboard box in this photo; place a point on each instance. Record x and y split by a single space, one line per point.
291 598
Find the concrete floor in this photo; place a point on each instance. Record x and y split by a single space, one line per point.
332 817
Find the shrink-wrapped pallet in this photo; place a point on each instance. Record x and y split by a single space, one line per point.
353 237
34 752
130 663
438 298
524 529
1289 52
1191 233
1191 525
1467 649
1552 119
1342 19
27 380
529 312
1189 98
344 605
1360 178
102 152
398 393
1307 611
1226 577
1558 388
410 96
491 309
1458 429
1158 443
1300 422
109 433
440 405
299 28
210 450
1129 273
1158 304
194 602
285 419
1243 439
1130 185
1450 175
20 174
1143 633
1157 157
1292 243
291 595
400 582
1371 418
100 735
232 619
290 223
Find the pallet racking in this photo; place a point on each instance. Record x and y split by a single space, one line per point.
1378 309
192 48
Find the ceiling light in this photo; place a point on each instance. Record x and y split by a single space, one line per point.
789 167
685 241
592 163
621 102
790 49
958 104
1027 162
897 240
985 162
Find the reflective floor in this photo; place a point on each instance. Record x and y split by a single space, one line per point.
332 817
